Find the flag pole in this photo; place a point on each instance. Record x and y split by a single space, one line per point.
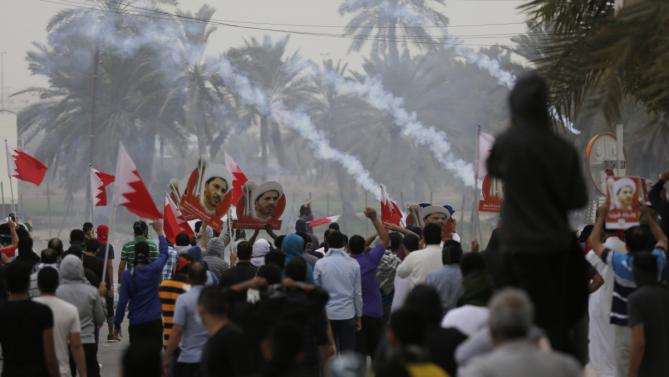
11 183
91 196
475 209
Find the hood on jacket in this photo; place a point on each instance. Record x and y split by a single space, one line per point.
102 233
292 246
72 270
260 248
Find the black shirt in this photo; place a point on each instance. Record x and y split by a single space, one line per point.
541 173
242 272
649 306
225 353
22 324
96 265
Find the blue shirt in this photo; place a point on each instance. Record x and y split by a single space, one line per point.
371 293
339 275
447 281
194 333
140 287
623 284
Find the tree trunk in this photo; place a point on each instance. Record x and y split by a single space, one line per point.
278 143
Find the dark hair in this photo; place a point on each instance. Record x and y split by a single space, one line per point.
645 268
17 275
411 242
47 280
585 233
408 325
182 239
142 252
639 238
426 299
25 245
139 360
217 177
197 273
472 262
416 229
296 269
77 237
307 240
56 244
92 245
432 234
356 244
139 228
49 256
395 241
244 250
278 241
494 243
198 226
528 101
214 301
336 240
87 227
451 253
334 226
275 258
271 273
286 344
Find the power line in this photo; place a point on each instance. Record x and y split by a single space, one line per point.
415 39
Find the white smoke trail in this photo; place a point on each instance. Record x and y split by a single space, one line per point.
294 119
371 89
104 30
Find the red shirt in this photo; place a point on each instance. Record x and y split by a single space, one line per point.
9 251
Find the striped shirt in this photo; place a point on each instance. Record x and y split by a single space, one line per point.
169 291
623 284
128 251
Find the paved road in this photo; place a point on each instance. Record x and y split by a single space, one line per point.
109 354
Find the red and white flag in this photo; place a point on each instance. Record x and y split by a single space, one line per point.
25 167
170 224
131 192
239 179
99 183
486 142
182 224
390 211
325 220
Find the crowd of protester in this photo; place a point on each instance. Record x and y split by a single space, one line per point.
540 300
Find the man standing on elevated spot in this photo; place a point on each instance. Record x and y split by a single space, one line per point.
542 178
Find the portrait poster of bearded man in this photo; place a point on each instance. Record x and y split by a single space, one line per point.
623 196
262 205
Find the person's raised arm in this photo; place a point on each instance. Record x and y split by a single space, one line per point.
12 232
50 352
655 228
159 263
252 240
654 196
370 213
596 236
270 231
204 237
77 351
399 229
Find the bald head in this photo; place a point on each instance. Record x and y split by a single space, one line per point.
197 273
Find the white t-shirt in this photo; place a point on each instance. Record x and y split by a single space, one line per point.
65 322
469 319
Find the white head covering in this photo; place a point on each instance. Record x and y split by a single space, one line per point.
267 186
260 248
618 184
426 211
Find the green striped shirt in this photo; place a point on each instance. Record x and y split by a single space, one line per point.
128 251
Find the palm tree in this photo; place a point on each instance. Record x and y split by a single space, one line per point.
203 102
130 94
393 24
269 67
598 57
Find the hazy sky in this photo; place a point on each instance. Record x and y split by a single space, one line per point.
23 22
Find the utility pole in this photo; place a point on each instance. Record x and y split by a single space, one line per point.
2 79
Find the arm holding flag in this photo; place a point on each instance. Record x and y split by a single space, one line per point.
158 264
